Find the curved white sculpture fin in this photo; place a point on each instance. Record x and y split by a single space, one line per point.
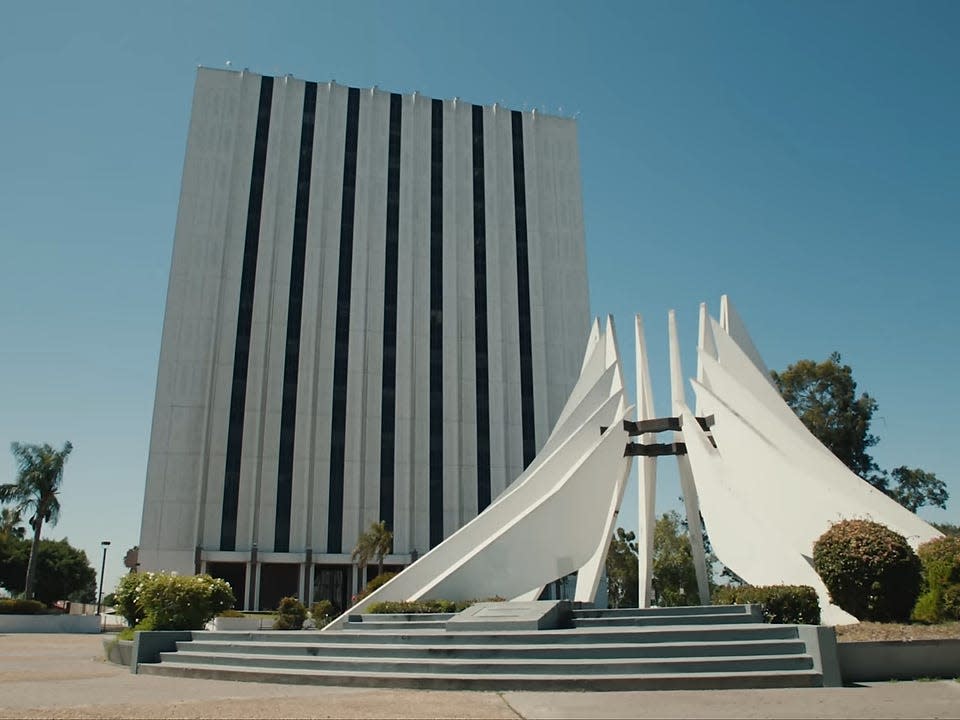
547 524
733 325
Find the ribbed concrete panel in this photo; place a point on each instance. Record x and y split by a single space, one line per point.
412 192
458 236
465 346
419 162
370 233
243 97
565 285
308 384
334 98
540 273
280 193
499 225
504 327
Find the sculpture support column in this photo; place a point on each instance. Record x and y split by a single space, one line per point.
690 502
647 475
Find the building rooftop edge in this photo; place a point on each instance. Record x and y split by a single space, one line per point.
375 88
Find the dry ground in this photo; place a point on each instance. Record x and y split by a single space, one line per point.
65 676
898 631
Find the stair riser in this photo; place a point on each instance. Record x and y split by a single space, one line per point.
545 652
560 683
726 610
374 626
670 620
509 667
584 636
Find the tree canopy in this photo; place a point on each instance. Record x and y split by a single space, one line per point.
623 586
674 576
63 571
824 396
35 493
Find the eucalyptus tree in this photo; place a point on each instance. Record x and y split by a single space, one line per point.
35 493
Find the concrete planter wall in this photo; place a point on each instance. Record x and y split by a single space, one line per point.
118 651
243 623
49 624
898 660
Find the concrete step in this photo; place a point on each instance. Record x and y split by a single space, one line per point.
663 620
629 634
584 652
399 617
499 666
572 682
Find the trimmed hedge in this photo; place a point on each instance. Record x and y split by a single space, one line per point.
870 570
416 607
12 606
782 604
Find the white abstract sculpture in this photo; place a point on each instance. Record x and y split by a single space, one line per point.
769 489
554 519
766 488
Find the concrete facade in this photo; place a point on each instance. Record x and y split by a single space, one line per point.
339 255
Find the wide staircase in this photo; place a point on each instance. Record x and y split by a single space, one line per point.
669 648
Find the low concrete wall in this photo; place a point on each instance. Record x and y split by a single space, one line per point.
898 660
147 646
118 651
49 624
243 623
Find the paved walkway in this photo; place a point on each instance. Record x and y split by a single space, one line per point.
65 676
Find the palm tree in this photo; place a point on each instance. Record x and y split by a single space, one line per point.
10 526
375 542
39 474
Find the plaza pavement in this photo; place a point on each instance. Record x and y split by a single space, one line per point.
65 676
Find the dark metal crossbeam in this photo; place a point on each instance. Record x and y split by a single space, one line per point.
657 425
654 449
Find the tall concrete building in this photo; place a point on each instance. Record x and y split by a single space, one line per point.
377 307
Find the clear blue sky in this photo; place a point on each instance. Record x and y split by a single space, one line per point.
802 157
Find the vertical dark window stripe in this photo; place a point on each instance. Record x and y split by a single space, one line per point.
291 360
436 324
480 313
241 353
388 401
338 424
523 292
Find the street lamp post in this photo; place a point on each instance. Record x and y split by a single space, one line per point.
103 564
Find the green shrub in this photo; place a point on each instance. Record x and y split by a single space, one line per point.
784 604
12 606
322 612
940 559
415 607
231 613
951 602
171 602
290 614
126 594
929 607
870 571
